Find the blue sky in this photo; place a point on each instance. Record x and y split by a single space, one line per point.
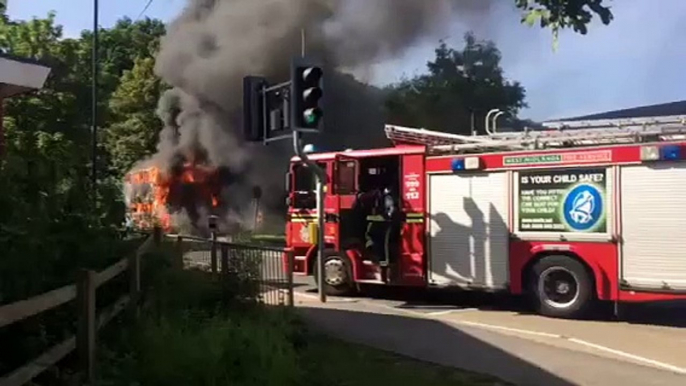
639 59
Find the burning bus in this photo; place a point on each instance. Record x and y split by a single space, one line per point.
183 198
155 196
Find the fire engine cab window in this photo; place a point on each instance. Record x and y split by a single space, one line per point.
304 185
304 178
345 183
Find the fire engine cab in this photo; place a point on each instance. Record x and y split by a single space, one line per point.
583 211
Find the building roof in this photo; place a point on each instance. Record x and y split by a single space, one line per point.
20 75
657 110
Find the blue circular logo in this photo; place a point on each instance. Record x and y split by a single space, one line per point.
583 207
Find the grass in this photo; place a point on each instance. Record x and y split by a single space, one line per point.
331 362
196 332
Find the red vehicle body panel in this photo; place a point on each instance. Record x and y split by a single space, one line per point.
601 257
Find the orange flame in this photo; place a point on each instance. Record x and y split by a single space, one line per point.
152 209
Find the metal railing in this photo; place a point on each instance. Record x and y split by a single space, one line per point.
260 271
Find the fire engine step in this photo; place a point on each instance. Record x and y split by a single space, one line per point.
370 281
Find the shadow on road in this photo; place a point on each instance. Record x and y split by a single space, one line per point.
432 341
667 314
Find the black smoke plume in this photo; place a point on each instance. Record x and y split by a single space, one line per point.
213 44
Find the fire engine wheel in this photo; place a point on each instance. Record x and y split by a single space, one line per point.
561 287
338 279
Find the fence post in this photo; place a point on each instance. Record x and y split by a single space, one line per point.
157 236
85 338
225 258
290 256
178 258
135 283
213 253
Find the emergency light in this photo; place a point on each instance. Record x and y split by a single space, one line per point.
309 148
457 164
468 163
671 152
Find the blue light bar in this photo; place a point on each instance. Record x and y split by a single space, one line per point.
457 164
670 152
309 148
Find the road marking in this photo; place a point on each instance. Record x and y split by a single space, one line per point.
662 365
508 329
581 342
446 312
328 299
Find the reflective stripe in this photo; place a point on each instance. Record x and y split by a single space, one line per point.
297 217
368 239
375 218
414 220
386 245
414 215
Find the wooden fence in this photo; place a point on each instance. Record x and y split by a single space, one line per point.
84 292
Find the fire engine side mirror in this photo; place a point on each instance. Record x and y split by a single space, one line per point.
289 175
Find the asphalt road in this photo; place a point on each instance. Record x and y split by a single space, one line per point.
497 335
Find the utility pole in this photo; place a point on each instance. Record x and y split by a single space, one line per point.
321 177
300 111
94 101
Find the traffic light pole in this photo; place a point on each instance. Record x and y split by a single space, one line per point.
321 182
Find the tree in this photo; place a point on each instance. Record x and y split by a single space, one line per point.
49 225
460 85
560 14
135 130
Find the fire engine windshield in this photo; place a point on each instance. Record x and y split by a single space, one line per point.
304 185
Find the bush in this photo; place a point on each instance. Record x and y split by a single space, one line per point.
194 348
197 332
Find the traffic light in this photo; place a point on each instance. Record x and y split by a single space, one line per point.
253 108
306 95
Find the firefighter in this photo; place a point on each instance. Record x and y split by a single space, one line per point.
391 217
379 236
366 210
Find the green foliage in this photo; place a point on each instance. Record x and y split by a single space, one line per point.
52 222
561 14
194 349
46 193
135 130
458 83
194 334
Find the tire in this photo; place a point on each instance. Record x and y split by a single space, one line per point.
561 287
340 285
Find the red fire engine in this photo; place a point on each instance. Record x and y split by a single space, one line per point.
585 211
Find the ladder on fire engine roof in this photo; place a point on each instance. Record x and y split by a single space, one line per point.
560 134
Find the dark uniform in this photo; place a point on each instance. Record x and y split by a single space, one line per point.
380 227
